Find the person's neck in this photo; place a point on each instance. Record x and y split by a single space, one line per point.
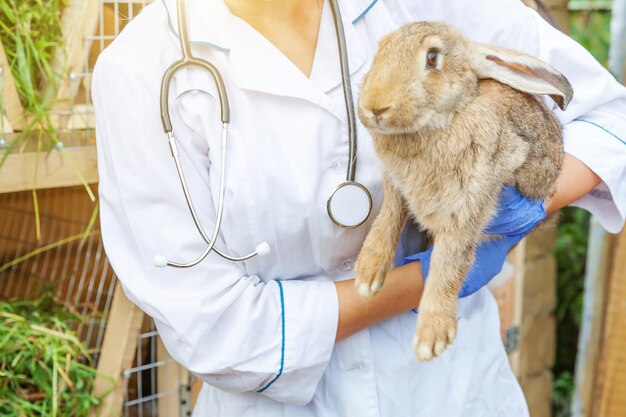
259 10
292 26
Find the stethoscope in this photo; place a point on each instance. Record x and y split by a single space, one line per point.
349 206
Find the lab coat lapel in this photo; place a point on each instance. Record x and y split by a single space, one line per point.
256 64
209 22
326 72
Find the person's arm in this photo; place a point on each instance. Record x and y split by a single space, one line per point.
401 292
230 328
576 180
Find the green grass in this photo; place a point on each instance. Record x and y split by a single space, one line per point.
45 370
32 36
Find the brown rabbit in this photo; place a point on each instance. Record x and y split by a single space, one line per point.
453 122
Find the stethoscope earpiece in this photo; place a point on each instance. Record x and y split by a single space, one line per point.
262 249
159 261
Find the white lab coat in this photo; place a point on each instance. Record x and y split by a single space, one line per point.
266 347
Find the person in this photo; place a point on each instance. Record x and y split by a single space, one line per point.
287 334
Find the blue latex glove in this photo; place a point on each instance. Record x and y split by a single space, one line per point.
516 216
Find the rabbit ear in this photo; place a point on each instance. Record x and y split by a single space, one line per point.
522 72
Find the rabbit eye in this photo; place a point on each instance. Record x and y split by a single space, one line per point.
431 58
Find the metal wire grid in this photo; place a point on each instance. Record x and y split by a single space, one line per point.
113 15
83 281
80 274
142 393
138 400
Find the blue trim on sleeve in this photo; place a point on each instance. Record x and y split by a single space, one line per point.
282 349
365 11
603 128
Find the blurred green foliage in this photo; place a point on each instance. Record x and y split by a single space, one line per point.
592 30
571 252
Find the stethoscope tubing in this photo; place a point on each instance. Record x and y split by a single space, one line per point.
188 60
211 242
347 89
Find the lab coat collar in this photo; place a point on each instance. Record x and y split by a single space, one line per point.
210 21
256 64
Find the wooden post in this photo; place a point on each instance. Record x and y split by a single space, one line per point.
610 392
594 306
171 380
10 99
536 299
195 391
80 20
117 352
526 306
6 125
558 9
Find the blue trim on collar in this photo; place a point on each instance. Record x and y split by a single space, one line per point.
282 349
603 128
359 17
173 30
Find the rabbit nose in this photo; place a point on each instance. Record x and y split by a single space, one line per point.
380 110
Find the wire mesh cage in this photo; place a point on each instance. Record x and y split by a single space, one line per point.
46 234
101 22
79 273
155 385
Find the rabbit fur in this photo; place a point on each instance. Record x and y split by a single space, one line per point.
452 121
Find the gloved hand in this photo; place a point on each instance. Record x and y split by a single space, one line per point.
516 216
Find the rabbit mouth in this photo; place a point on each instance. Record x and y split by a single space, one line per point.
377 119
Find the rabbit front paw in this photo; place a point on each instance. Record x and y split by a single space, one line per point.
371 268
436 329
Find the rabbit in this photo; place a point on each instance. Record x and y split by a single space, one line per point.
452 121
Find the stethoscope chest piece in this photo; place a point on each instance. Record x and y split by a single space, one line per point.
350 205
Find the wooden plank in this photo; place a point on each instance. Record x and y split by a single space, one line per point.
6 125
558 9
54 169
539 296
80 20
594 304
83 117
10 99
171 380
195 391
537 345
611 383
538 392
518 257
117 353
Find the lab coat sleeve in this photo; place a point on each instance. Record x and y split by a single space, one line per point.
232 330
594 125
